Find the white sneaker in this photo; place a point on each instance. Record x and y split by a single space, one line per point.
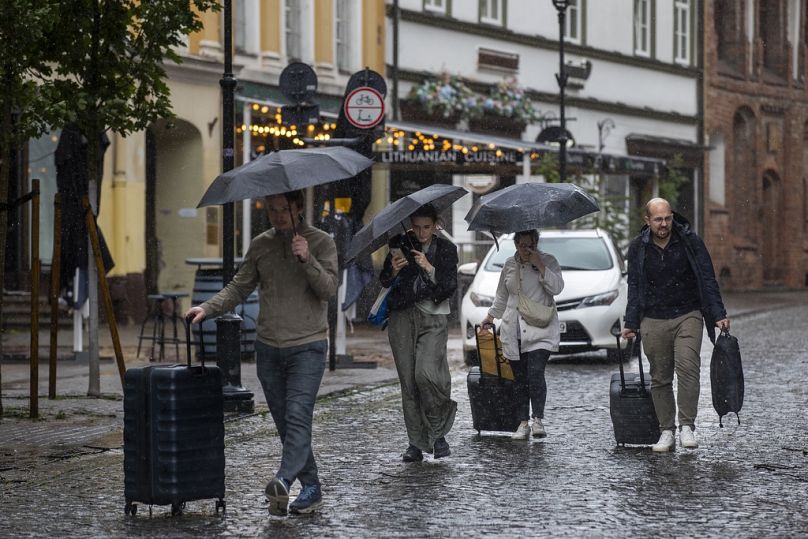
688 438
538 429
666 442
522 432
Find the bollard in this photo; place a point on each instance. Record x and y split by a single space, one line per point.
228 354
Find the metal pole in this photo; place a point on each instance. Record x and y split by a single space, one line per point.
561 7
34 408
228 350
394 74
56 269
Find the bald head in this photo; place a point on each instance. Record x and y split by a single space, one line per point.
657 205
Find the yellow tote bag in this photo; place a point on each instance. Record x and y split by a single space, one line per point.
489 350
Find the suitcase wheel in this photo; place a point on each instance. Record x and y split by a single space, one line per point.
220 505
130 509
176 508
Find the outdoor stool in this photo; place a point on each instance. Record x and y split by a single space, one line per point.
157 315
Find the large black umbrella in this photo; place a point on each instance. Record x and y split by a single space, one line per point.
391 220
529 206
283 171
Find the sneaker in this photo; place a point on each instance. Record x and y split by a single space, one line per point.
278 495
687 438
412 454
309 499
441 448
538 429
522 431
666 442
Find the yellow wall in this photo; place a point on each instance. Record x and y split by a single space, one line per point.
210 32
324 32
373 35
271 26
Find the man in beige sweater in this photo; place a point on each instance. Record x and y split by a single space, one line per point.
295 267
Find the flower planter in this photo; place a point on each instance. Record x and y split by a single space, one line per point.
413 111
498 125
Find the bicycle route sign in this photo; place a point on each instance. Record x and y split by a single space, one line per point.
364 107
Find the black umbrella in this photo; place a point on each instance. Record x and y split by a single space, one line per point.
529 206
391 220
283 171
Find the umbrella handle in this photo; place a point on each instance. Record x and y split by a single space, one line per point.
294 230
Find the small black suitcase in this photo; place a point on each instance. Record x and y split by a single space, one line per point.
173 435
630 404
493 397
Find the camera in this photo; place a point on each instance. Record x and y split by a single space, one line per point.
405 243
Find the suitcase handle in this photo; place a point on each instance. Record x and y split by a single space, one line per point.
188 323
635 342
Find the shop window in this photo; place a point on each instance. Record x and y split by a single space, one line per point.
772 34
293 34
744 193
729 32
573 24
437 6
681 32
644 28
492 12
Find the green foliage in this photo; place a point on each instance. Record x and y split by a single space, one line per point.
671 181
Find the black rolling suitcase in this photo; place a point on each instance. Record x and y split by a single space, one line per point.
630 404
493 393
173 435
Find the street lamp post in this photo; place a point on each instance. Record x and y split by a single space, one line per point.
228 326
561 77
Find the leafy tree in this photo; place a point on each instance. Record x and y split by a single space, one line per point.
25 91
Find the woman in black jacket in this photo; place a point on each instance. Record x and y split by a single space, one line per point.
422 269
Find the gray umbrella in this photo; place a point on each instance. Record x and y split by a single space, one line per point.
528 206
283 171
391 220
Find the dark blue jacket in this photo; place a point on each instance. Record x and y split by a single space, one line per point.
712 308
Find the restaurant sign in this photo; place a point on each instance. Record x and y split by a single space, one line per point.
457 157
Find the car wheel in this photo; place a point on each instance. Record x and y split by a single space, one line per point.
615 355
471 359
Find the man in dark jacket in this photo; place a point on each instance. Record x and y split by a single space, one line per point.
672 291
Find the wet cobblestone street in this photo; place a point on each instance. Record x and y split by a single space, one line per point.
744 481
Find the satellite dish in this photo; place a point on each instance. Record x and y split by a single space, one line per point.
298 82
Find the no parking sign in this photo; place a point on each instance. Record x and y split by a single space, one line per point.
364 107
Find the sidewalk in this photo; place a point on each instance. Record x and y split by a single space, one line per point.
75 419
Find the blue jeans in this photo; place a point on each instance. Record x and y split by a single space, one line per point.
528 373
291 378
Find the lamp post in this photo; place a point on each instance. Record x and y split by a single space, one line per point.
228 326
561 77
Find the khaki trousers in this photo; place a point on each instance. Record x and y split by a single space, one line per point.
418 341
674 346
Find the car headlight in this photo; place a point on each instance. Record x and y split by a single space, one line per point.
481 300
606 298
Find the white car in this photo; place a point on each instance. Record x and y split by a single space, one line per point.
591 306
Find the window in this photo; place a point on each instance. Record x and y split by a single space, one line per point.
292 30
681 32
572 24
436 6
772 33
730 34
343 32
643 29
492 12
240 26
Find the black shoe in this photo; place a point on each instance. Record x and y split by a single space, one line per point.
278 496
412 454
441 448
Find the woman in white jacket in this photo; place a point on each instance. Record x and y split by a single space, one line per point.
528 347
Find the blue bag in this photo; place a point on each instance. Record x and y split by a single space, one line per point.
380 313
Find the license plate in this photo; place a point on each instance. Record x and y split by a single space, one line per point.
562 327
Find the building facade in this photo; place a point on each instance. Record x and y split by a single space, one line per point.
756 126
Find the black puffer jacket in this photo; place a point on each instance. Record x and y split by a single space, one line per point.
712 307
406 293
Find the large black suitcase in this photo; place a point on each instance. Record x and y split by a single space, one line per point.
630 404
493 397
173 435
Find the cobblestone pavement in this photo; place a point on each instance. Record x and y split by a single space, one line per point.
744 481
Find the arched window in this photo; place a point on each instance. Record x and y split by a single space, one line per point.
729 33
744 194
717 169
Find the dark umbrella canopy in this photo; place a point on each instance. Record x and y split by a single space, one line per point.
390 220
283 171
529 206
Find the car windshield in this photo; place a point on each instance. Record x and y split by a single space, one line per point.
583 254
